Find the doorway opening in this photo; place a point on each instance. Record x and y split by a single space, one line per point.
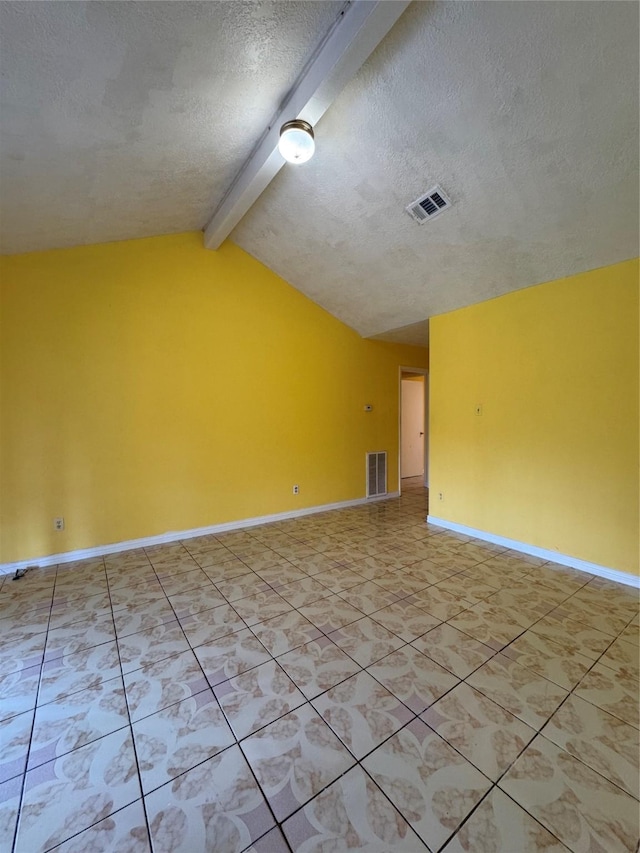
413 428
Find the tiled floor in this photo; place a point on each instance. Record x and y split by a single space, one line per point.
356 680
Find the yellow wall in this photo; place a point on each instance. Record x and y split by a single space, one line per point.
152 385
553 460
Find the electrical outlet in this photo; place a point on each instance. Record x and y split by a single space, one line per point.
296 490
58 524
440 496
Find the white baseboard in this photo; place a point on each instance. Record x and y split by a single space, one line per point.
175 536
543 553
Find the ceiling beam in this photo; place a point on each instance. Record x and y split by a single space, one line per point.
358 29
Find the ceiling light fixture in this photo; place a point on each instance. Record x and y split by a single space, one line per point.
296 142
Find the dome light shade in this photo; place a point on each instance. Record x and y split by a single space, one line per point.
296 142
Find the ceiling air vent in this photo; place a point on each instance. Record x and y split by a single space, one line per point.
429 205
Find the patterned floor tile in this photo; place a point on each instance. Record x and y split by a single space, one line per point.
10 792
154 644
154 687
351 814
317 666
454 650
524 693
414 678
598 739
203 597
365 641
338 579
272 842
91 631
257 697
304 591
79 671
431 784
549 659
613 691
69 794
142 614
179 737
125 832
494 626
15 733
330 613
262 605
285 632
18 690
75 720
362 712
487 735
294 758
215 806
572 636
368 597
208 625
405 620
440 603
576 804
230 655
623 657
242 586
498 824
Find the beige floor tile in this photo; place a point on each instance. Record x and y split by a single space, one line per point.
362 713
613 691
178 737
15 733
549 659
366 641
572 636
368 597
405 620
257 697
600 740
317 666
623 657
230 655
440 603
76 720
351 814
285 632
204 597
413 678
430 783
527 695
330 613
126 830
79 671
499 824
454 650
18 690
154 644
215 806
69 794
10 792
208 625
242 586
294 758
486 734
262 605
154 687
576 804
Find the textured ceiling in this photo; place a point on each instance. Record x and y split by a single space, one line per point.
525 113
122 120
130 119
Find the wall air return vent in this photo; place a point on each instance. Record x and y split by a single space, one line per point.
429 205
376 474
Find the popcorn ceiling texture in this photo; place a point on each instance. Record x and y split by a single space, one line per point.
124 120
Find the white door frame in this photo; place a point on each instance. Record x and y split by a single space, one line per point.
422 371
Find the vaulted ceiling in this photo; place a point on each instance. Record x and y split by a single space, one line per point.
125 120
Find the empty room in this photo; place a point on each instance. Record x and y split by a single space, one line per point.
319 426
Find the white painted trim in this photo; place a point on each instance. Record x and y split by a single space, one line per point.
176 536
357 30
543 553
422 371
